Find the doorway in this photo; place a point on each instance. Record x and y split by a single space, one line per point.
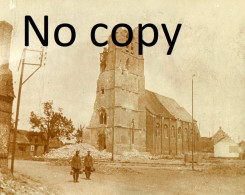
102 141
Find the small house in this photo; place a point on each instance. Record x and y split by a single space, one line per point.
226 148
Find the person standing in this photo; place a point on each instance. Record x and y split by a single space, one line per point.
76 166
88 164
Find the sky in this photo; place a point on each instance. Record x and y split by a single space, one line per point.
211 45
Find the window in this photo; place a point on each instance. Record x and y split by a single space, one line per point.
179 132
102 90
157 129
102 116
32 148
166 131
186 134
173 131
127 63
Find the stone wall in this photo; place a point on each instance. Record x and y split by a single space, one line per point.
6 92
120 91
166 136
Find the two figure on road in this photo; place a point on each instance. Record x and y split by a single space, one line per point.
76 165
88 164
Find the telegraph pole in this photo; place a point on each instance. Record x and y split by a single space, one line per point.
113 116
192 152
21 83
132 135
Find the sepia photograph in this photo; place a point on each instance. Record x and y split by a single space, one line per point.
122 97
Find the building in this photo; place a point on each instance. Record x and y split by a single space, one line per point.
23 147
6 91
219 135
206 145
127 116
226 148
31 143
37 142
242 146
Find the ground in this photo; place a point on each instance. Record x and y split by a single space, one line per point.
129 178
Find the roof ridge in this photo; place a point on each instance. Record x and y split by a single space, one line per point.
161 95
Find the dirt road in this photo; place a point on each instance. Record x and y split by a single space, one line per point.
140 181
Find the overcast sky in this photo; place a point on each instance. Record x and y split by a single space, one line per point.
211 44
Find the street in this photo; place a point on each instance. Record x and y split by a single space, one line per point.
139 180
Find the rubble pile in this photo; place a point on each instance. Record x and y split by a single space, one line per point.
66 152
134 155
20 185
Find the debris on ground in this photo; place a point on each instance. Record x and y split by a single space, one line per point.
20 185
63 155
68 151
134 154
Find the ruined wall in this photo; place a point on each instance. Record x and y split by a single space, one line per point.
6 92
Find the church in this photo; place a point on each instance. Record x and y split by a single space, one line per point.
127 116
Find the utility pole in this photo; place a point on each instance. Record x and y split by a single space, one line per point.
132 136
113 117
192 152
21 83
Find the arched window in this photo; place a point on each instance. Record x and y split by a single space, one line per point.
179 132
173 131
102 116
186 134
166 131
157 129
102 90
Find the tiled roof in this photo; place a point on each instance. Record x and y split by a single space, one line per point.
20 138
165 106
154 106
219 135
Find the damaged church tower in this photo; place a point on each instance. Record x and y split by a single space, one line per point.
6 92
119 104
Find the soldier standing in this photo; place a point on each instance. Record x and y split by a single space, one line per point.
76 165
88 164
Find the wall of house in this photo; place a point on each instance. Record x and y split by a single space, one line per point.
226 150
22 151
37 150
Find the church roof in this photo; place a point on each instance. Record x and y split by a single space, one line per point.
165 106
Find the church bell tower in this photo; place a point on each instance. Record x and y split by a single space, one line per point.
119 116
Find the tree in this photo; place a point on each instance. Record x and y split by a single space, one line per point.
53 123
79 134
